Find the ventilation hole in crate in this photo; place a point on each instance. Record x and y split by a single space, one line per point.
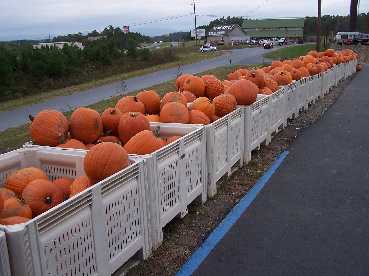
220 154
57 171
193 168
4 174
71 253
27 253
123 224
235 139
169 188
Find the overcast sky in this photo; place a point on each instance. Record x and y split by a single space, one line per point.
39 18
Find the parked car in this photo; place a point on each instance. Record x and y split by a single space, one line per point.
207 48
268 45
281 41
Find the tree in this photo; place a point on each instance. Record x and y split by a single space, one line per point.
353 15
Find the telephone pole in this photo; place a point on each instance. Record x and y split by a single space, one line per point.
318 25
194 13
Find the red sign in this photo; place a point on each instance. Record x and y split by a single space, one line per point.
126 29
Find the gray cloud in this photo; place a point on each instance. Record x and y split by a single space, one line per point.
38 18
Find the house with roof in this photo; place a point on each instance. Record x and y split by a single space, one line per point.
227 35
291 28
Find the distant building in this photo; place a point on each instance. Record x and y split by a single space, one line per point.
58 45
94 38
293 29
227 35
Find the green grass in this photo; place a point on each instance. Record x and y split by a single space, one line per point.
15 137
290 52
184 58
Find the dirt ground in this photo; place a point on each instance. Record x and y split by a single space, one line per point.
183 236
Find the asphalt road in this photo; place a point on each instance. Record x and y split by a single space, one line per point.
312 216
19 116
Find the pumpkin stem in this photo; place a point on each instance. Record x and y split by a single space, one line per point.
48 200
113 111
31 118
133 114
135 99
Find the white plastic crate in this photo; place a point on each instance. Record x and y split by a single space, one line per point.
292 95
177 175
4 256
257 126
93 233
278 110
225 147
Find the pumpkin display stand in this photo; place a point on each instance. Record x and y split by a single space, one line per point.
177 173
4 260
92 233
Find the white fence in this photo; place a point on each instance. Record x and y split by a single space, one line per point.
99 230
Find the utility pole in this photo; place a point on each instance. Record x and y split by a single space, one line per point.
194 13
318 25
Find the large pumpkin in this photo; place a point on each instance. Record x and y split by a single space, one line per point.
297 63
276 64
1 204
153 118
244 91
224 104
64 184
266 91
304 72
151 101
6 194
257 77
15 207
42 195
86 125
177 97
195 85
199 117
213 87
174 113
180 81
49 128
271 84
130 104
13 220
18 180
205 105
236 75
295 73
73 144
190 97
143 143
283 78
104 160
130 124
110 119
79 185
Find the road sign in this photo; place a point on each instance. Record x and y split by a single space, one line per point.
200 33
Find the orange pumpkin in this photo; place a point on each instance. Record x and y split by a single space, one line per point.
304 72
89 146
173 97
224 104
13 220
234 76
104 160
313 68
276 64
297 63
64 184
189 96
258 77
112 139
313 53
73 144
195 85
204 104
283 78
1 204
308 59
14 207
144 142
199 117
330 53
213 87
130 104
170 139
153 118
151 101
49 128
295 73
244 72
18 180
244 91
130 124
174 113
42 195
86 125
180 81
266 91
6 194
110 119
79 185
271 84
